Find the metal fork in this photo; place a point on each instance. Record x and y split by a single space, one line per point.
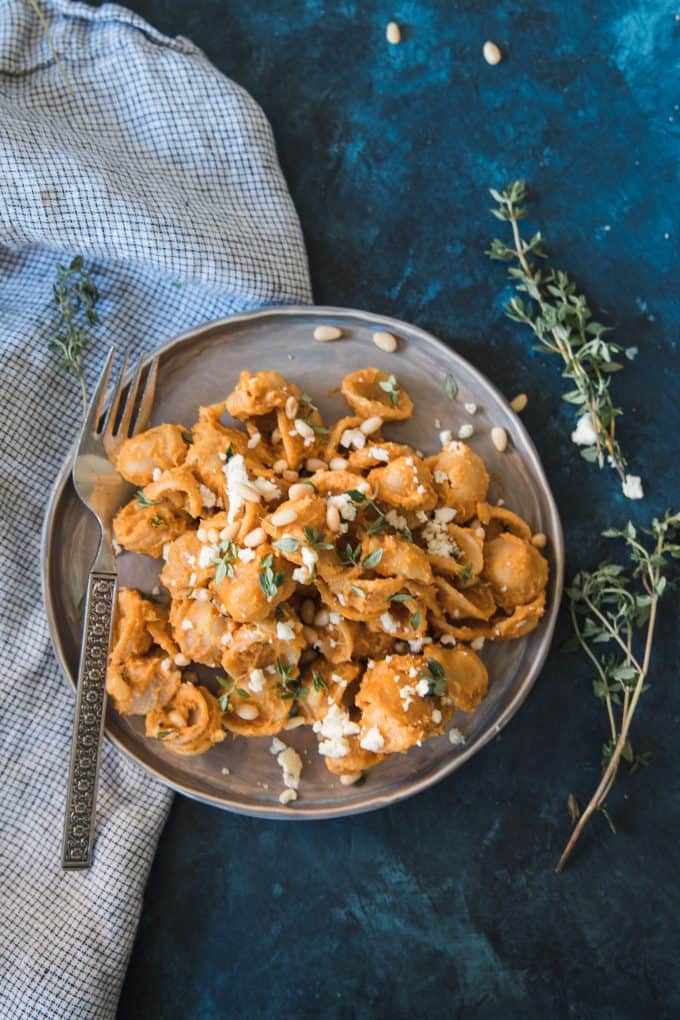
102 490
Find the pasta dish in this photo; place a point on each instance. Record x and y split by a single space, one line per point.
323 575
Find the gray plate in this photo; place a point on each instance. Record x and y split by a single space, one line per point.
201 367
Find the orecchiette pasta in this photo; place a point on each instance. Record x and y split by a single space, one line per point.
324 575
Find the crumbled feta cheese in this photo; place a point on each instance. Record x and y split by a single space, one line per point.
287 796
465 431
445 437
423 687
310 557
372 740
236 475
246 555
584 434
344 505
379 453
632 487
407 694
421 489
440 476
302 575
388 623
186 624
438 540
284 631
470 408
156 474
353 437
334 728
257 681
334 618
456 737
277 746
207 555
166 664
447 639
226 638
208 497
437 424
416 646
291 763
436 716
371 664
477 644
395 520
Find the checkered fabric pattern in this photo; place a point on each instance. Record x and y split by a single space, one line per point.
164 175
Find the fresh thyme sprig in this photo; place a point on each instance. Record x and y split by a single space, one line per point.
618 609
75 295
562 322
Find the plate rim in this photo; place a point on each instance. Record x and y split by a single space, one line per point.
374 801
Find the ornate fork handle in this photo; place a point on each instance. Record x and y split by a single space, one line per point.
81 801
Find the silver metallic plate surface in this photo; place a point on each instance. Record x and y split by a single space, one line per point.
201 367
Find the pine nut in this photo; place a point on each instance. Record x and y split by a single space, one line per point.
280 466
294 722
290 476
308 611
492 53
350 778
325 333
299 491
519 402
499 438
385 341
213 535
175 718
310 635
291 407
314 464
322 619
254 440
338 463
465 431
181 660
254 538
276 436
248 493
393 33
202 535
539 540
477 644
248 712
333 518
371 425
286 515
304 430
230 532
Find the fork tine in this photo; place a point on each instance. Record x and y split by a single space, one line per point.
147 397
115 400
94 410
123 428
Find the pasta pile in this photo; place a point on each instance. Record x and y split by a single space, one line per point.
330 576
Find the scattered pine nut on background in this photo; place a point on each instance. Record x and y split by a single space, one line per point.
393 33
492 53
519 402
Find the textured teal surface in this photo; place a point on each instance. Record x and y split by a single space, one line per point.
447 904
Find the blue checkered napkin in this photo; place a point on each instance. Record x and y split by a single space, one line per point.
160 172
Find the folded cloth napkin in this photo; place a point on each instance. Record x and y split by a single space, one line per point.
164 176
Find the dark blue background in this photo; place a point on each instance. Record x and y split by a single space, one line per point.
447 905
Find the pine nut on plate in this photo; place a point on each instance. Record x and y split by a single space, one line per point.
385 341
326 333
